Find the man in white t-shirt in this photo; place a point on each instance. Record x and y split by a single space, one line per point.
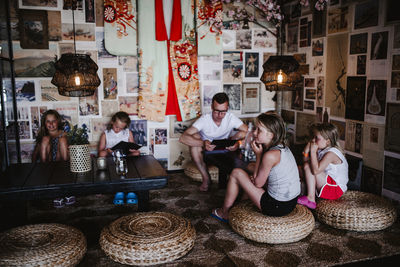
219 124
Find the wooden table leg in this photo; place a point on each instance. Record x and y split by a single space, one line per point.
143 200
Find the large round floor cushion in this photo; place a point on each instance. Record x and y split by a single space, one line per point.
246 219
147 238
42 245
357 211
190 169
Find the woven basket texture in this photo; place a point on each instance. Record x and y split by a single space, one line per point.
190 169
246 219
80 158
148 238
42 245
357 211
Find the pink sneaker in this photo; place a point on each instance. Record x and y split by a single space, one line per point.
303 200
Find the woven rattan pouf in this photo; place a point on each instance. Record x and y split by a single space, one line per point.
42 245
190 169
246 219
357 211
147 238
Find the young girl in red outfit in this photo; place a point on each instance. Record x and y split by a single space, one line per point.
325 167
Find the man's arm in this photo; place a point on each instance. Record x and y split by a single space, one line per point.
241 134
191 137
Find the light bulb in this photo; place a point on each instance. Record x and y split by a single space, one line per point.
77 80
280 77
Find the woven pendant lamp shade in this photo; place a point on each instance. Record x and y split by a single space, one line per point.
73 67
288 66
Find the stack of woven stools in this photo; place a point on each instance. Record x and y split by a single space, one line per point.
357 211
42 245
191 170
247 220
148 238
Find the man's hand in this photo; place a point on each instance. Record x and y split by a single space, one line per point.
234 147
208 146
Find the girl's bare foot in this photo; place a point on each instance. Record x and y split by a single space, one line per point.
204 187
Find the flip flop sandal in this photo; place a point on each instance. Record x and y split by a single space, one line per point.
131 198
70 200
58 203
119 198
303 200
215 214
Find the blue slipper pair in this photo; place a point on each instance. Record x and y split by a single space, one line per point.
131 198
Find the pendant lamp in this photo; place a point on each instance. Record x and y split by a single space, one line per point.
280 72
76 74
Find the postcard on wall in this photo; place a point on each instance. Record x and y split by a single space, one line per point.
176 128
36 116
54 25
297 98
377 68
391 176
233 66
358 43
303 122
132 82
25 89
318 47
361 64
228 39
49 92
251 65
89 105
338 19
251 97
373 145
68 112
160 136
317 65
89 11
309 82
392 137
376 101
233 91
365 14
310 93
264 39
319 23
355 95
110 84
243 39
320 91
101 50
395 79
109 108
128 104
354 134
98 126
139 131
179 155
379 45
309 106
129 63
39 4
83 32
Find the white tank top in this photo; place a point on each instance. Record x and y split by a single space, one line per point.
113 138
283 182
338 172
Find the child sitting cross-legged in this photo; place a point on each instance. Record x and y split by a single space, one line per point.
275 184
325 167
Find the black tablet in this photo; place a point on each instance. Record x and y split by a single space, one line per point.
223 143
125 146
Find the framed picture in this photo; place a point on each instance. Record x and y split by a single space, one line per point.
371 180
365 14
33 29
379 45
176 128
251 65
233 92
391 177
392 132
251 97
358 43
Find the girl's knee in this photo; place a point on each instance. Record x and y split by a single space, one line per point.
237 172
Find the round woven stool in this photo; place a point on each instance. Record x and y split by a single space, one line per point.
247 220
42 245
357 211
191 170
147 238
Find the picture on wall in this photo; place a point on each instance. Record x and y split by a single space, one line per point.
179 155
376 97
176 128
139 131
292 36
233 66
50 4
89 105
355 98
110 86
391 177
358 43
251 65
354 134
243 39
320 91
392 15
233 91
251 97
392 132
361 64
318 47
128 104
309 82
371 180
33 29
297 98
365 14
264 40
379 45
310 93
24 90
319 23
338 19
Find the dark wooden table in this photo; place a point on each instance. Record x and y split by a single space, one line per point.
28 181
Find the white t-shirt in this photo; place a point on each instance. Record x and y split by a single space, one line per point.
338 172
210 131
113 138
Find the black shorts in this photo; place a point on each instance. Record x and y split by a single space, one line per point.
275 208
